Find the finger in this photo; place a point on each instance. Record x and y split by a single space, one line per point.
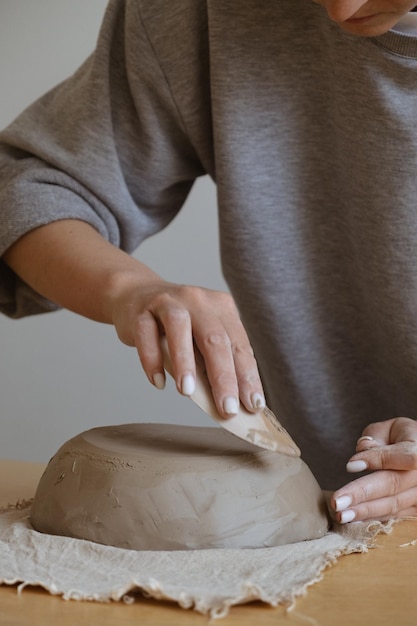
398 456
374 486
178 330
389 431
229 359
249 381
147 342
382 508
376 434
170 317
216 350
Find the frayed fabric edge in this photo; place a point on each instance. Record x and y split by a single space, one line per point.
250 592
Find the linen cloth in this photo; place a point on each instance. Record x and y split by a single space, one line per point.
210 581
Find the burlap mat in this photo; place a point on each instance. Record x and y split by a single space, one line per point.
210 581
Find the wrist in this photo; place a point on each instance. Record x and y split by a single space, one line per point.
127 289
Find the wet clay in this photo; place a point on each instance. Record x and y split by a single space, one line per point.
169 487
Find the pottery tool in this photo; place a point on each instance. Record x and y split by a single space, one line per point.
261 428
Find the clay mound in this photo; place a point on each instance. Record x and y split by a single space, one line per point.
166 487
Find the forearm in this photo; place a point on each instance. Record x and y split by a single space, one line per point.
70 263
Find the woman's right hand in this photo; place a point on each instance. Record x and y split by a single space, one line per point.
69 262
190 317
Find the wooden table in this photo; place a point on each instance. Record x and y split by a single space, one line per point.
379 587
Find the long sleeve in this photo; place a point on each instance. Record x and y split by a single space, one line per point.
107 146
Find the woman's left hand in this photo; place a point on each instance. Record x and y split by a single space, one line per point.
389 450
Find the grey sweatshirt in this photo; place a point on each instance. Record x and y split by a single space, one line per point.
311 137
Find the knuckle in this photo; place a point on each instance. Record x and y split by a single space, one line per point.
365 492
227 301
396 504
217 301
222 380
413 457
141 330
143 321
243 350
385 457
216 339
395 483
189 292
168 309
249 379
365 512
161 300
176 315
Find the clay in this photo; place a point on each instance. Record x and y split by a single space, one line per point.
166 487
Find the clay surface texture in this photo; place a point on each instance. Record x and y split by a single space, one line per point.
170 487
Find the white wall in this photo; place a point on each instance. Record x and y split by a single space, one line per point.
60 373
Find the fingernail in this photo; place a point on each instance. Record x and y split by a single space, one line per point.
343 503
187 385
159 380
258 401
230 406
356 466
347 516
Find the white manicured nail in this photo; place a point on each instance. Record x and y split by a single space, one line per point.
230 406
159 380
356 466
347 516
258 401
188 385
343 503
